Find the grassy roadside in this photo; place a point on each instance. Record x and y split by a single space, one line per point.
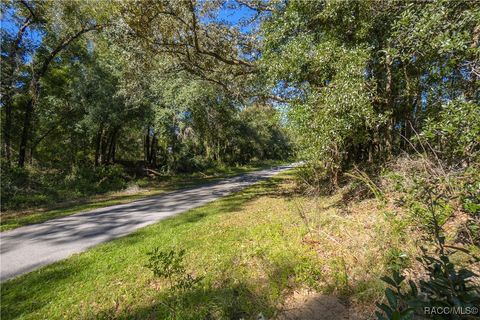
252 249
138 189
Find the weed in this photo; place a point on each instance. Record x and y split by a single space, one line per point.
169 265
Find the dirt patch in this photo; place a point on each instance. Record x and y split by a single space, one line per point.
308 305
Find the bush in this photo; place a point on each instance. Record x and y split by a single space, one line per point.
24 187
432 198
28 187
29 200
90 180
111 178
453 133
445 286
169 265
470 201
13 181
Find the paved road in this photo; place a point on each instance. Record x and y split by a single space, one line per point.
28 248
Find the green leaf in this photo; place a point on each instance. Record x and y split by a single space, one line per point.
388 280
388 311
398 278
413 288
392 299
396 316
380 316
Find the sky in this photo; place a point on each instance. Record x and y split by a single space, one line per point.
8 24
237 16
234 17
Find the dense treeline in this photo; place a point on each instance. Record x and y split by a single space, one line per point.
176 86
88 84
369 75
67 86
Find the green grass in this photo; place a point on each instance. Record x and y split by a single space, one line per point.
248 257
252 249
244 245
147 187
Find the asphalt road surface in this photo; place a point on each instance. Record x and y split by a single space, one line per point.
28 248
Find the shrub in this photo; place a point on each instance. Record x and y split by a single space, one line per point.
453 132
470 201
28 200
28 187
13 181
446 285
111 178
169 265
90 180
431 198
24 187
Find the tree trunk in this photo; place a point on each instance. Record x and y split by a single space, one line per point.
147 146
336 166
114 146
27 121
389 105
8 97
472 86
97 146
153 151
108 147
103 148
8 129
35 90
111 146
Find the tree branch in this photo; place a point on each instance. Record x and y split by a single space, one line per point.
65 44
258 8
210 53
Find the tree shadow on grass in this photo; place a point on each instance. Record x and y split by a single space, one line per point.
236 302
227 298
234 202
28 295
232 301
16 294
113 222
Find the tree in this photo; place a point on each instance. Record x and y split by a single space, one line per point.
194 42
363 76
59 24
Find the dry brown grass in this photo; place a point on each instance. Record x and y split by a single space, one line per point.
354 246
